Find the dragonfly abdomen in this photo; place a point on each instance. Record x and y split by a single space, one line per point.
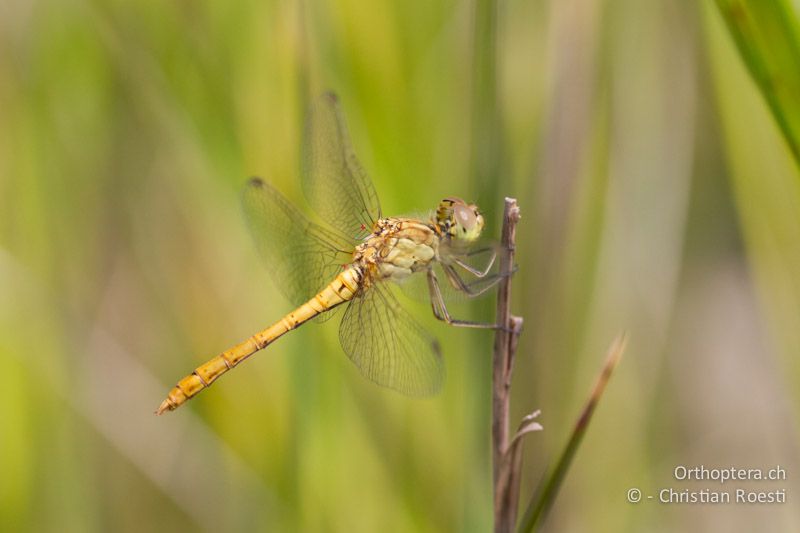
342 289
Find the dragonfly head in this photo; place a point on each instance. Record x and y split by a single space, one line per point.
463 222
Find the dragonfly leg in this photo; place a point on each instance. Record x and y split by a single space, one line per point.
460 284
440 309
478 251
474 271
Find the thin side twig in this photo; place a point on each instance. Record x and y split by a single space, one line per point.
505 345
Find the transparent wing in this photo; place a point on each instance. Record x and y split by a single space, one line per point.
388 346
335 184
301 256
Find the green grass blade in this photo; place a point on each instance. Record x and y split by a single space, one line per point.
543 499
766 34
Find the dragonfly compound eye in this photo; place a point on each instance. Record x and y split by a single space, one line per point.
468 222
465 217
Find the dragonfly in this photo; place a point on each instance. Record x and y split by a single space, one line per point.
351 262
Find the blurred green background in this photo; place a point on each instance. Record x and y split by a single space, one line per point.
658 196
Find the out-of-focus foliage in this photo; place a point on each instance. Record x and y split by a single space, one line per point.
657 193
768 39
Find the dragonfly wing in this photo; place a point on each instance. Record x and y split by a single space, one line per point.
388 346
302 256
335 184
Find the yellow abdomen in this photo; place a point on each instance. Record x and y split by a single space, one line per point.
341 290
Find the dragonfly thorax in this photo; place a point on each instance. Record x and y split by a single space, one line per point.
397 248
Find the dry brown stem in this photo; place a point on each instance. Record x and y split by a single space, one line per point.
505 475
